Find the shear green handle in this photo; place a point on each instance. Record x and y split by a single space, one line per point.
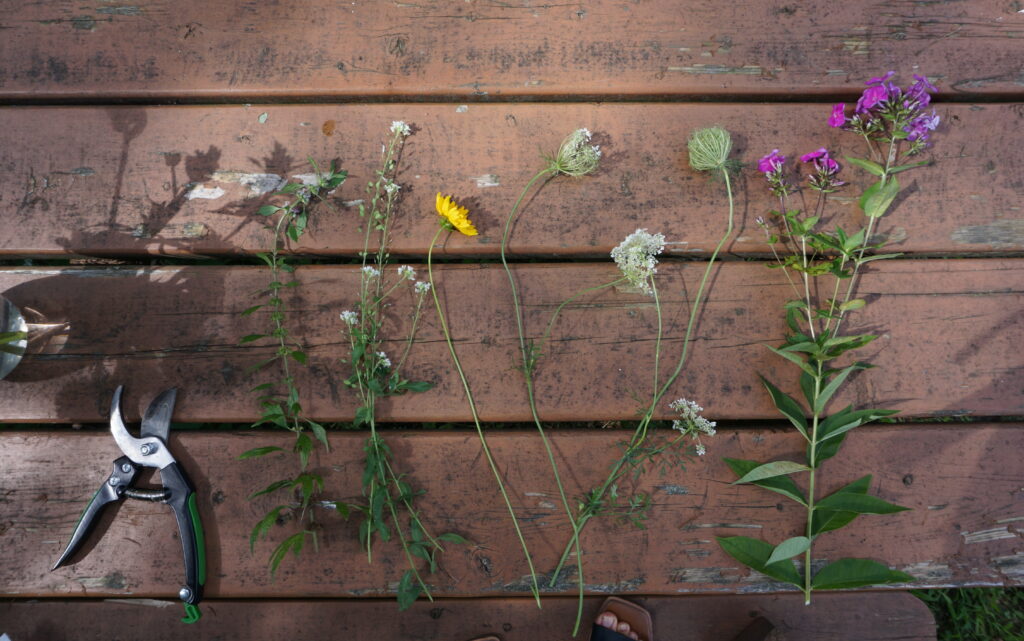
193 544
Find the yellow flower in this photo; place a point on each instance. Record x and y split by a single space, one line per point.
455 216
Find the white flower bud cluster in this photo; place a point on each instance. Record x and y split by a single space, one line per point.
692 423
350 317
385 362
400 127
370 271
635 257
421 287
405 272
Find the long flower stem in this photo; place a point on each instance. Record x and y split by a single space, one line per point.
649 414
476 418
812 452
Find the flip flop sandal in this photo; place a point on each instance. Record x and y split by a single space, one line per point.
638 618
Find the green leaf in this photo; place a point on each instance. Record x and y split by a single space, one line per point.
789 548
252 337
262 527
871 167
299 356
914 165
833 385
859 503
319 432
342 508
363 416
408 591
768 470
273 487
878 197
452 537
781 484
827 520
268 210
754 553
257 452
847 419
293 544
303 447
862 261
825 450
790 356
418 386
785 404
251 310
855 573
856 303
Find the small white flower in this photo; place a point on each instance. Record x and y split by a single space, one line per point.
350 317
385 362
399 127
635 257
700 450
422 287
585 132
406 272
597 150
391 187
370 271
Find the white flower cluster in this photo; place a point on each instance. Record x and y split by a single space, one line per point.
350 317
635 257
422 287
692 423
405 272
399 127
370 271
385 362
391 187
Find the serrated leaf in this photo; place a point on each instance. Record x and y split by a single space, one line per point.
789 407
855 573
319 432
769 470
789 548
780 484
303 447
258 452
871 167
754 553
363 416
858 503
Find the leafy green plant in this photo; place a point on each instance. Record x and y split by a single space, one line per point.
887 118
279 399
976 614
389 495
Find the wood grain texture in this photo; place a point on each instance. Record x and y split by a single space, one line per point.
134 181
836 617
165 49
963 486
949 336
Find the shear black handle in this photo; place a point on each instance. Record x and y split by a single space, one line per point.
182 500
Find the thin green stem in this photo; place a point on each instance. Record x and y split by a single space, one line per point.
812 451
476 418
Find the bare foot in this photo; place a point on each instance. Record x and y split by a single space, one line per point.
609 620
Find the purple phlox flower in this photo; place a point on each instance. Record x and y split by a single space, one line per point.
822 161
871 97
881 79
771 163
838 117
919 127
919 91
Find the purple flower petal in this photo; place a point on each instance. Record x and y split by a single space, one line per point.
771 162
881 79
814 154
838 117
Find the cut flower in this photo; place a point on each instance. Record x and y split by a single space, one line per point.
635 257
455 216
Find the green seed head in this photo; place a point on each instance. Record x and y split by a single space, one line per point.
709 148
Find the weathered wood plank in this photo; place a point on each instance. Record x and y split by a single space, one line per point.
949 341
963 485
837 617
188 180
485 49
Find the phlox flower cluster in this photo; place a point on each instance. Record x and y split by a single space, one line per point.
824 178
883 102
635 257
691 423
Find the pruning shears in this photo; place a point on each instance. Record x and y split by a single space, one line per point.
151 451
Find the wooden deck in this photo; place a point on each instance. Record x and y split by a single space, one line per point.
148 135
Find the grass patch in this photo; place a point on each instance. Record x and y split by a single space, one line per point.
977 614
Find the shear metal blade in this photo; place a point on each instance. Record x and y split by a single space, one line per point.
157 419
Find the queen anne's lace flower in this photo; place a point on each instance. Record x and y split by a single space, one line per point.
635 257
691 423
576 156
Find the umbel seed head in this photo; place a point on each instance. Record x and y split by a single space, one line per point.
709 148
576 157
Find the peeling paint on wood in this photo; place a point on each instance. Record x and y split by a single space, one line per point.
1001 234
993 534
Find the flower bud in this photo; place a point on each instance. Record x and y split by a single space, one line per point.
709 148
